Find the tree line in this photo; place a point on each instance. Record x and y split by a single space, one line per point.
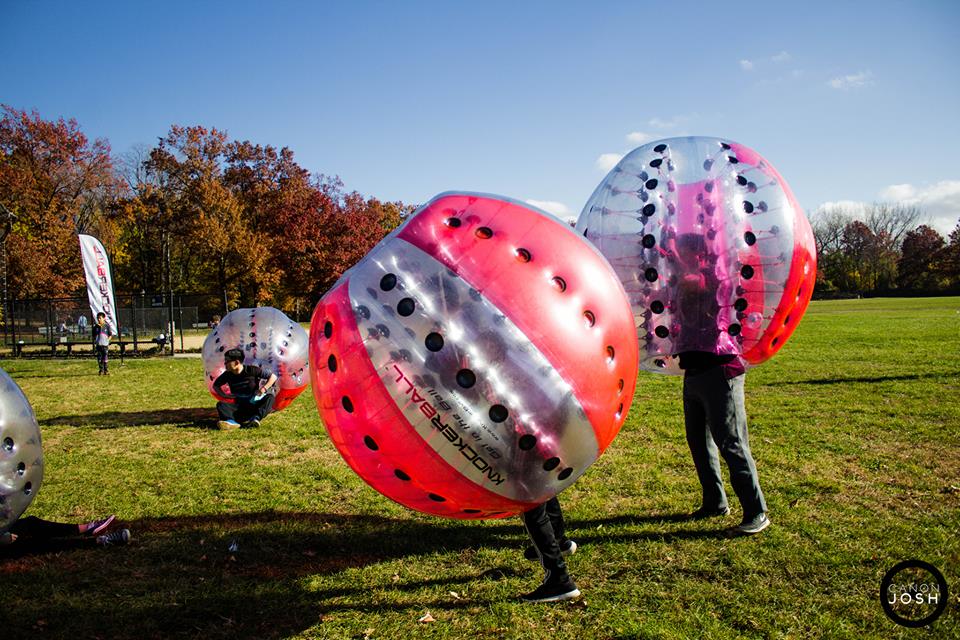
201 213
883 250
196 213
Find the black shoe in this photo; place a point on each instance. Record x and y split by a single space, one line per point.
250 424
553 591
567 548
709 512
119 537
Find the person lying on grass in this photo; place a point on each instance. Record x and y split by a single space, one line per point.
252 390
33 534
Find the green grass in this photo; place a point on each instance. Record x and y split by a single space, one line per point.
855 426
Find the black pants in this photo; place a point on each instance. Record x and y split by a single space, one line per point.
35 535
243 410
546 529
101 352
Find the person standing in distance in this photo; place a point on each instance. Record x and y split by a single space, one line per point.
101 342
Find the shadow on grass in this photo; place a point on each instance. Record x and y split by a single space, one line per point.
265 575
198 417
179 577
864 379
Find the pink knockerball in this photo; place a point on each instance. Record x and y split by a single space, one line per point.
476 361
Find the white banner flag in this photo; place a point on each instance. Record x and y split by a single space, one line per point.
99 281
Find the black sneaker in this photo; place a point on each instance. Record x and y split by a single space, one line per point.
709 512
567 548
553 591
114 538
250 424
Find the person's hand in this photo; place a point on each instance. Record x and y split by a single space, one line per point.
263 390
7 538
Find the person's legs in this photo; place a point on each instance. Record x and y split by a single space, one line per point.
101 353
727 416
557 584
265 407
702 448
34 527
226 410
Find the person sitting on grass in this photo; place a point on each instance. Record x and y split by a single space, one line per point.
251 388
32 534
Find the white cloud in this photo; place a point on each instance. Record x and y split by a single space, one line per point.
746 65
939 202
852 81
558 209
639 137
608 161
783 56
669 123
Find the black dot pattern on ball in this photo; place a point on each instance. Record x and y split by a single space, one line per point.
527 442
740 304
454 222
406 307
651 274
734 329
648 241
434 342
523 255
347 404
651 183
750 238
551 464
8 444
484 233
656 162
27 488
746 271
436 498
371 443
388 282
566 473
560 283
657 307
748 206
661 332
660 148
332 363
401 475
589 318
472 511
649 209
498 413
466 378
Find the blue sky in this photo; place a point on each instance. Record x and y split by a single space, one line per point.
852 101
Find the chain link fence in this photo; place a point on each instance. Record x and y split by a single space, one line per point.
150 324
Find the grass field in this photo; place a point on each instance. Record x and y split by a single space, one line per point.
855 426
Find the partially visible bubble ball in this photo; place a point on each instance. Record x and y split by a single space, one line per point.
21 452
726 241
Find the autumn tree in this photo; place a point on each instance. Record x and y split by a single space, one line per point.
919 267
57 183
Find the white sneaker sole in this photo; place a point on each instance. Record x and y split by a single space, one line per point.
749 531
570 595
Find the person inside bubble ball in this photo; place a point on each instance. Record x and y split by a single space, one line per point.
252 390
713 392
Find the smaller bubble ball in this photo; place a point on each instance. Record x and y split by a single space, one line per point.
269 340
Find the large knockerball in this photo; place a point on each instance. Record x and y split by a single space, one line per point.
21 452
711 246
476 361
270 340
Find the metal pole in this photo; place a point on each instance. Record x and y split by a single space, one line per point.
180 316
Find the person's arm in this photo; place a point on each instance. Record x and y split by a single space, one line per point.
218 385
265 386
